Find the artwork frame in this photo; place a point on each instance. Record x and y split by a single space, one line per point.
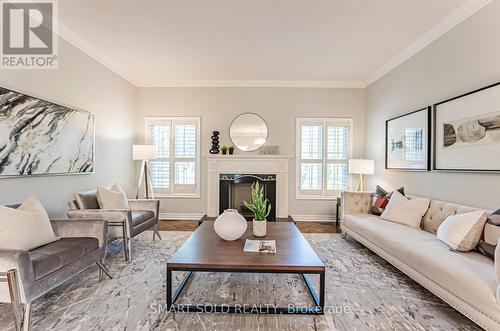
69 126
395 153
466 131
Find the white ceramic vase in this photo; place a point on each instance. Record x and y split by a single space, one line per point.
259 228
230 225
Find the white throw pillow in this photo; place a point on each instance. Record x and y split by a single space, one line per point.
462 232
113 198
25 228
405 211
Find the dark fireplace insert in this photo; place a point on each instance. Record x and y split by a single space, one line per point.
235 188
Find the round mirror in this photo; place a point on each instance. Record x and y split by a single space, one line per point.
248 132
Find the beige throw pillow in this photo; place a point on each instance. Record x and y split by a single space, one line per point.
405 211
462 232
26 227
113 198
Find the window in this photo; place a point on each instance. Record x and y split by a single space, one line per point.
323 151
176 172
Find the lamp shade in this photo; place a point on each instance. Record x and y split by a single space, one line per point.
144 152
361 166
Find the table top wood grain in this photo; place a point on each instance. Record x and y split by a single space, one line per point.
206 250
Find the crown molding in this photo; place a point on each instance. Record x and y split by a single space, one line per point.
254 83
75 40
438 30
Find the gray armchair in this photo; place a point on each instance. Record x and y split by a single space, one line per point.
27 275
124 223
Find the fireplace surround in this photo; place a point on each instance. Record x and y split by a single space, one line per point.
254 164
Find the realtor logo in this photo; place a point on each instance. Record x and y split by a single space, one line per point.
29 39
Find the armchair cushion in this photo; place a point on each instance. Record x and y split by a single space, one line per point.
112 198
87 199
51 257
26 227
141 216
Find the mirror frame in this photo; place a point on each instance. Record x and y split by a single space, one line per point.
248 113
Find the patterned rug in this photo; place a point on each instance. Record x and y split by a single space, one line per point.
362 292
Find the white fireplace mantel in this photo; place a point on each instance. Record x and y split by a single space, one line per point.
247 164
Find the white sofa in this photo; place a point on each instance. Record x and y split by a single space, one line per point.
469 282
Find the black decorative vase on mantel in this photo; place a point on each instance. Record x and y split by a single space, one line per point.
215 142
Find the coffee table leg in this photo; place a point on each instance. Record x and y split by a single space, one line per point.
322 291
169 288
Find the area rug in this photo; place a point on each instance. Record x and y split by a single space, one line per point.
362 292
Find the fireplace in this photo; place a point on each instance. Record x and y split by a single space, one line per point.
235 188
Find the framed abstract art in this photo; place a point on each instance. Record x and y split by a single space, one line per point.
38 137
407 141
467 131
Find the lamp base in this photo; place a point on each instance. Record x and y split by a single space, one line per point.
361 185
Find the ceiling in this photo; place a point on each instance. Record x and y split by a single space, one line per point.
329 43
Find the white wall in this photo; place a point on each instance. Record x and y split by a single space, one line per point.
464 59
279 107
83 83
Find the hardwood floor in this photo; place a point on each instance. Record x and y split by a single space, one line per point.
304 227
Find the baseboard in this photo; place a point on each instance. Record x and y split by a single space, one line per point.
181 216
312 218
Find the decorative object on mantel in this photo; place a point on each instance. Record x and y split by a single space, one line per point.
224 149
361 167
43 138
215 142
230 225
261 208
467 131
230 149
248 132
144 153
269 150
408 141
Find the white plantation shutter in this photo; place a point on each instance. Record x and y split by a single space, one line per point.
176 171
323 151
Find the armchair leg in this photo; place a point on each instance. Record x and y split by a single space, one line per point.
27 317
103 269
126 240
156 231
344 235
15 300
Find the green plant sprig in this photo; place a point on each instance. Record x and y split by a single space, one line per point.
260 207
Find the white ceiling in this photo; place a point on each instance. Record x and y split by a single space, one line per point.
345 43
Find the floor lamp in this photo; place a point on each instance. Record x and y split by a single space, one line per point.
361 167
144 153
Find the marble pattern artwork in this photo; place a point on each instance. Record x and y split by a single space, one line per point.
38 137
483 129
363 292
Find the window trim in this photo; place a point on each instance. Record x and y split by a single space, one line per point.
197 120
325 194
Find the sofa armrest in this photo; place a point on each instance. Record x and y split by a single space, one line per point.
92 228
110 215
356 203
145 204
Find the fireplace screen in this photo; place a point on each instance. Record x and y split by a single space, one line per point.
235 188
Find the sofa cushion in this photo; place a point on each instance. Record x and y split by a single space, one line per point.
405 211
462 232
470 276
381 198
51 257
437 213
488 242
141 216
87 199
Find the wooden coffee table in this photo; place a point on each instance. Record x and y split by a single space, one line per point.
204 251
